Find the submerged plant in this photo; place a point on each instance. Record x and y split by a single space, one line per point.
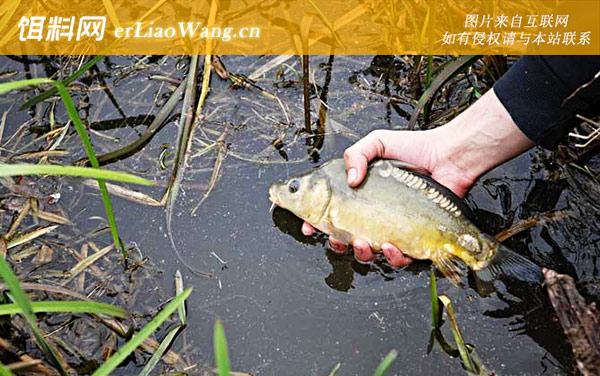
386 363
470 361
66 82
447 72
17 294
85 140
114 361
23 306
170 337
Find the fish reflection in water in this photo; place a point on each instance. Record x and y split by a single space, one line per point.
344 266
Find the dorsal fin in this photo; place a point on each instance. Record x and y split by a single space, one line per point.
409 167
419 179
454 199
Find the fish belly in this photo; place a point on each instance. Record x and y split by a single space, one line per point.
353 218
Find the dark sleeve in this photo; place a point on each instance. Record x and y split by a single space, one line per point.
538 93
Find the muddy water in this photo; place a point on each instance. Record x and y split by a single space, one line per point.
289 305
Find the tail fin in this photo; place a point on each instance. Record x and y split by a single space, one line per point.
508 263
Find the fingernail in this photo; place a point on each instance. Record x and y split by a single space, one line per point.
352 175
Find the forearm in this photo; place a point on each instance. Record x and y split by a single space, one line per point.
481 137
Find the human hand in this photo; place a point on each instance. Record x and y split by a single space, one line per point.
456 154
418 148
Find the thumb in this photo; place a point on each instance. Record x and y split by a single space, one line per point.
358 156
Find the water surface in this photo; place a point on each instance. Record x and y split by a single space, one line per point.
289 305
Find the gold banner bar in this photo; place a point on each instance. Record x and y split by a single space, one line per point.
279 27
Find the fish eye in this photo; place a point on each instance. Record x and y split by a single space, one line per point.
293 186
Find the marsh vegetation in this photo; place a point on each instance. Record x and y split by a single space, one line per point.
104 268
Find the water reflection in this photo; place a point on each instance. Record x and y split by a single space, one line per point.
344 266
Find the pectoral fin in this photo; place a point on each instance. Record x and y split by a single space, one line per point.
448 268
339 234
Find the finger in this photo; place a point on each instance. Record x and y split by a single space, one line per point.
358 156
362 251
307 229
336 245
394 256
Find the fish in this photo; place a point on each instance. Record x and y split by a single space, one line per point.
400 204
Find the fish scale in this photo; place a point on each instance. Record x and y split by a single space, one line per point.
416 182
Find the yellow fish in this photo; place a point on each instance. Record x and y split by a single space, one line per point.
398 204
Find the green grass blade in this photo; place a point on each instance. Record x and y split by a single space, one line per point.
458 337
87 145
22 301
435 307
79 127
429 71
221 353
114 361
67 307
335 369
110 216
166 342
164 345
66 82
8 86
4 371
82 172
386 363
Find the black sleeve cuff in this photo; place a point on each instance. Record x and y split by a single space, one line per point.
534 91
